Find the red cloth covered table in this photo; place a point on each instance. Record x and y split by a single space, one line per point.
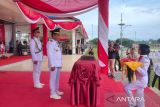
84 81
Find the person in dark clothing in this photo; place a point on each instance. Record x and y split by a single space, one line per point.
11 46
82 48
111 58
69 49
66 49
154 80
149 71
90 51
19 48
117 47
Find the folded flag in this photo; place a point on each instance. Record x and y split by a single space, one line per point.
123 60
133 65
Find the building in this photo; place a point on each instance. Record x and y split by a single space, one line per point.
13 27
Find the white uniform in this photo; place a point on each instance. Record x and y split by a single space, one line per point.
139 84
54 60
156 68
36 52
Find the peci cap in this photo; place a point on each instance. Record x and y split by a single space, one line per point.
55 31
36 29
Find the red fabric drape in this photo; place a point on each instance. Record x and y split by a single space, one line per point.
49 23
60 6
30 15
33 26
45 39
33 17
2 33
84 81
68 25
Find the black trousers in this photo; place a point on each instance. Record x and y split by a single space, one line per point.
119 64
129 74
154 80
149 72
19 51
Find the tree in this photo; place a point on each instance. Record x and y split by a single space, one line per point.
158 40
125 42
94 41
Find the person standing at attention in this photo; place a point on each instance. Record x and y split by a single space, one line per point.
54 63
37 57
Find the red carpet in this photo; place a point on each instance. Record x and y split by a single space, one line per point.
16 90
13 59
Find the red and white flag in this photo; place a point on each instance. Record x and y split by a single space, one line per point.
103 7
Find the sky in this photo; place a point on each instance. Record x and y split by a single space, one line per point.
142 15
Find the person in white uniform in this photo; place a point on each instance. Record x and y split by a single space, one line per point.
37 57
54 63
156 66
141 79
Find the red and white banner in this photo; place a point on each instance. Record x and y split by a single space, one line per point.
103 34
69 25
61 7
30 15
50 24
33 17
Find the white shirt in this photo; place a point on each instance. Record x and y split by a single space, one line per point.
141 73
156 68
54 54
37 55
156 63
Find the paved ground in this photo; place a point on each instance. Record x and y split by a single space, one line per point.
68 61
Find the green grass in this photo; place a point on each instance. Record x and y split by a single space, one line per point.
151 75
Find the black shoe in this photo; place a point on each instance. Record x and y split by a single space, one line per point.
112 76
